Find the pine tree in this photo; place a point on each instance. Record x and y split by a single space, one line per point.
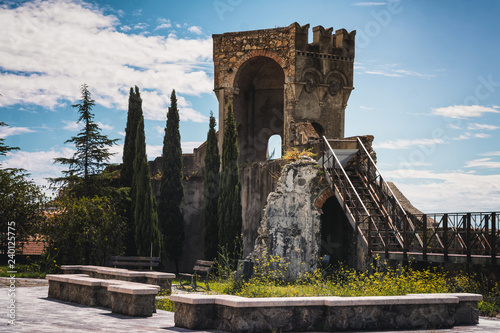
133 117
229 204
127 171
3 148
170 216
147 235
92 152
211 192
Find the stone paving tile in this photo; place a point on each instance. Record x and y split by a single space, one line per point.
37 313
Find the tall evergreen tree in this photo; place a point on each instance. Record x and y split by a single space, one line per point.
147 235
127 171
229 204
133 117
3 148
92 152
170 215
211 193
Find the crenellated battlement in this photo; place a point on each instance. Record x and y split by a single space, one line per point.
340 43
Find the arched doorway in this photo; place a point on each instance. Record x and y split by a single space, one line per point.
258 106
336 233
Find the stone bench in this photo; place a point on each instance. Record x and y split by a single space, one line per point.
164 280
240 314
123 297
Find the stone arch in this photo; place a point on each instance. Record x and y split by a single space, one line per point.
336 73
258 53
320 200
336 82
311 77
258 105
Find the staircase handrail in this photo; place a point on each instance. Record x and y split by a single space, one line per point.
352 188
405 216
380 175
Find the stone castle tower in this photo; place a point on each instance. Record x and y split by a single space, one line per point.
278 84
275 79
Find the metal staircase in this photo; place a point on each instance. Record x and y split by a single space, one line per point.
368 202
384 227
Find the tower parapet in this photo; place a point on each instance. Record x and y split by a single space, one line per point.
275 78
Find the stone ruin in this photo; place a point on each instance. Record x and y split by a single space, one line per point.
278 84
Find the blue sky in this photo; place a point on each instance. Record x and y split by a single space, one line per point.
427 81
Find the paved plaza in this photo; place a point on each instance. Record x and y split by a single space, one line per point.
37 313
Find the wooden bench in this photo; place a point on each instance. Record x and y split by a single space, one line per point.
201 268
134 262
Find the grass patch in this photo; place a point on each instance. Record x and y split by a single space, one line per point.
349 282
23 271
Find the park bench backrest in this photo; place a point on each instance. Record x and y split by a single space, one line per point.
203 266
135 262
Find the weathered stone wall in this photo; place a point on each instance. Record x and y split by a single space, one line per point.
314 80
192 206
291 227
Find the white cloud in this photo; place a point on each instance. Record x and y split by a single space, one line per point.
406 144
71 125
58 45
163 26
483 163
392 70
463 111
492 153
477 126
163 23
187 147
141 26
432 191
125 28
195 29
468 135
104 126
453 126
367 108
6 131
40 164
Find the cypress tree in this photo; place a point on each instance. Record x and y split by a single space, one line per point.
133 117
127 171
211 192
229 204
147 236
170 216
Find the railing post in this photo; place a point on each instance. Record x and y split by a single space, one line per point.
493 238
369 236
386 226
445 237
424 236
467 236
405 239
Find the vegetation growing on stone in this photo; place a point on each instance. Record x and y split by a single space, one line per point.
170 218
211 193
294 154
